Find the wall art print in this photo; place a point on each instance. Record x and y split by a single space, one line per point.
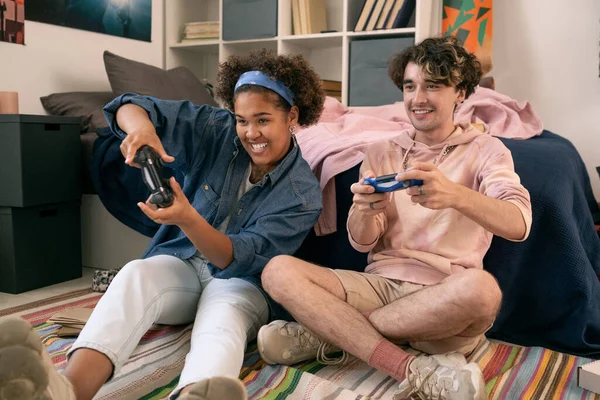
124 18
471 22
12 21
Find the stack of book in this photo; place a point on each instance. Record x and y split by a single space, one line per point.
385 14
203 30
71 320
332 89
309 16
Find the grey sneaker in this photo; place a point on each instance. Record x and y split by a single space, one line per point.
443 377
288 343
217 388
26 370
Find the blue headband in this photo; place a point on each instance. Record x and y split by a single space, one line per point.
260 79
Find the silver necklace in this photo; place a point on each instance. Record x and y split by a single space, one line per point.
446 151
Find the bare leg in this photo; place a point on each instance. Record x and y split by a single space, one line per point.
316 298
463 304
86 385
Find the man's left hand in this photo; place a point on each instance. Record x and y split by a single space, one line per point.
437 192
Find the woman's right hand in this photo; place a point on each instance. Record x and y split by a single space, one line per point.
134 140
365 199
134 121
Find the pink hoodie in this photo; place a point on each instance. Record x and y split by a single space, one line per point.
421 245
339 140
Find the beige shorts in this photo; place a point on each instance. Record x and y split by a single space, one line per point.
368 292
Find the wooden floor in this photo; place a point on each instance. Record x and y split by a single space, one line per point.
11 300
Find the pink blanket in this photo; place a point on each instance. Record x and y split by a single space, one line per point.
339 140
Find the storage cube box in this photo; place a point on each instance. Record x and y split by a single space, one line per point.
40 160
369 84
39 246
249 19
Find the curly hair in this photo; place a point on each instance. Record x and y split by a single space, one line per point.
445 60
291 70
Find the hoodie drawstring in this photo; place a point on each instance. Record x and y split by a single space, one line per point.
405 158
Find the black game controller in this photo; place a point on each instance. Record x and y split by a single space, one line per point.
161 193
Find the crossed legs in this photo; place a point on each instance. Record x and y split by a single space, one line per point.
462 305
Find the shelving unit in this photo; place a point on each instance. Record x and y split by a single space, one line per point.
329 53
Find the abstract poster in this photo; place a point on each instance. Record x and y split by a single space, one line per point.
12 21
124 18
471 22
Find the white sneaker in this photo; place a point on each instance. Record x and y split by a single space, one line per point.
443 377
26 370
287 343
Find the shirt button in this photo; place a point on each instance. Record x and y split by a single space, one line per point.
205 187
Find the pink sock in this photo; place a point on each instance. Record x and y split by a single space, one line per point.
391 359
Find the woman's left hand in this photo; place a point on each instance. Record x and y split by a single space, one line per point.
437 192
178 213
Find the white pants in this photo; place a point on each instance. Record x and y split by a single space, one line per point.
166 290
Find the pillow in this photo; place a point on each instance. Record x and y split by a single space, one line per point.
175 84
87 105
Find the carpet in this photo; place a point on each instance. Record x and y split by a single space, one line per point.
511 372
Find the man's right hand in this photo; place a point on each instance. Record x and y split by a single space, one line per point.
365 199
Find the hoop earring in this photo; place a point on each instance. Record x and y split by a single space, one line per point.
292 129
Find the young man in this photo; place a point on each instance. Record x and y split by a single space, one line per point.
424 284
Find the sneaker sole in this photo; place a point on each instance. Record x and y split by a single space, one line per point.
226 388
22 372
480 392
261 348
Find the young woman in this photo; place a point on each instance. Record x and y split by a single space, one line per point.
247 196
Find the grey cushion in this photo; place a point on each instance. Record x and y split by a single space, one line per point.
135 77
87 105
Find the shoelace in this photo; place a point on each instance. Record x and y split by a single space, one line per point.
307 340
325 348
419 391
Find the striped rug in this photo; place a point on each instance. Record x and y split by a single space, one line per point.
511 372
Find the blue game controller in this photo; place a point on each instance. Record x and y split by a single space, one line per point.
388 183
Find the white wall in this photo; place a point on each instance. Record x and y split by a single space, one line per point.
547 52
57 59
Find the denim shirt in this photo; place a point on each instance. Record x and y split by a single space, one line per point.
272 218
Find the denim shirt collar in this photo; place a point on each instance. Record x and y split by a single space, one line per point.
281 169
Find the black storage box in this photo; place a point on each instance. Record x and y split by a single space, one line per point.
40 160
39 246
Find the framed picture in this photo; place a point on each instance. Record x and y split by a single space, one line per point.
124 18
12 21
